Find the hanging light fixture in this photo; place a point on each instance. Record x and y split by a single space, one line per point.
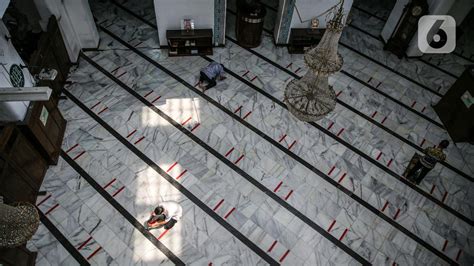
311 98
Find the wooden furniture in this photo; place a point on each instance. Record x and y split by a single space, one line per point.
453 112
249 23
19 256
51 53
44 126
22 167
301 39
193 42
406 27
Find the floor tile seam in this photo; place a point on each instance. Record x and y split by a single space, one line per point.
181 188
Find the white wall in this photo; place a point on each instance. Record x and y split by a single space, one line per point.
11 111
75 22
169 14
3 6
311 8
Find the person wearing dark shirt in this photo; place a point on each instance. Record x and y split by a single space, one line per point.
432 155
209 74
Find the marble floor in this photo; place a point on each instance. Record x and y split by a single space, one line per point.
257 186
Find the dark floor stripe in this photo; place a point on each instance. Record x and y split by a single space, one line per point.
132 13
173 182
303 162
99 189
62 239
354 110
378 38
226 161
368 13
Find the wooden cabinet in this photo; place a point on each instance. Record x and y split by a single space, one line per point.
19 256
301 39
22 167
192 42
44 126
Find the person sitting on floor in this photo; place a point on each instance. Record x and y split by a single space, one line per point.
167 214
428 161
209 74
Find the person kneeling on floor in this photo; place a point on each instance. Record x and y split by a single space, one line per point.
167 214
432 155
209 74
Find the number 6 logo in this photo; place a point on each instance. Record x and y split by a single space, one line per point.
436 34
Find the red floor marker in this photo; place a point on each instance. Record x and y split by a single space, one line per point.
195 126
459 254
93 253
445 245
330 125
432 189
272 246
339 93
45 199
396 214
181 175
289 65
394 264
444 196
210 264
79 155
137 44
253 78
185 122
378 156
95 105
384 206
343 234
72 148
378 85
247 115
118 191
115 69
331 226
423 142
103 110
368 81
340 132
289 194
374 114
229 213
278 186
218 205
147 94
413 104
245 73
342 178
84 243
110 183
229 152
291 145
298 69
282 138
332 169
424 108
284 256
138 141
131 133
122 74
389 162
238 109
163 234
52 209
238 160
156 99
385 118
171 167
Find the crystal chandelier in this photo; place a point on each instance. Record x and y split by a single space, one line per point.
311 98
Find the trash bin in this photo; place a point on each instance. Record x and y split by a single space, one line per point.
249 26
